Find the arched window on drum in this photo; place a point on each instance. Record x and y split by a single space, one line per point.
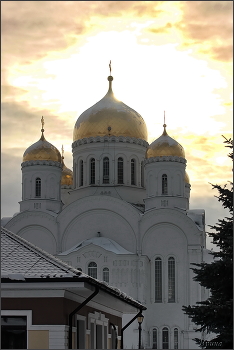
164 184
38 187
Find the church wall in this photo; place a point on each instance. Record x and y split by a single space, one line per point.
39 228
109 223
110 216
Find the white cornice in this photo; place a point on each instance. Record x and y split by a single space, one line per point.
165 159
110 139
41 162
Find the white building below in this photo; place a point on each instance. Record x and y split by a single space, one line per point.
122 216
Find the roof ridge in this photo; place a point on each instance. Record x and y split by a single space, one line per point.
42 253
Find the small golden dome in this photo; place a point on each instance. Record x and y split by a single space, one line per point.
165 146
67 174
110 117
186 178
42 150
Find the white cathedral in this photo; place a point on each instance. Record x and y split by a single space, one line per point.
122 216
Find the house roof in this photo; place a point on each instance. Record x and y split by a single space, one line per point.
22 261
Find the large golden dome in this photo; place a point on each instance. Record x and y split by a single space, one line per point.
42 150
165 146
110 117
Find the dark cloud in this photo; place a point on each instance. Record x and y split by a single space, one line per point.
44 26
10 183
22 123
208 24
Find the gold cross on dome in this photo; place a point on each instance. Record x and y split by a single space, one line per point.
42 122
110 67
62 151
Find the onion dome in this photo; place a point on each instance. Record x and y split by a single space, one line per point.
186 178
67 174
165 146
42 150
110 117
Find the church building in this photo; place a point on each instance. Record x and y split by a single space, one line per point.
121 216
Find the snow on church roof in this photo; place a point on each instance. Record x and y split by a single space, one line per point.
21 260
103 242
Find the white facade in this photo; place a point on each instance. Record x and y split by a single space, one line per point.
128 223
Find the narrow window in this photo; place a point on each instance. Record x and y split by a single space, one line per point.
92 269
176 338
142 174
155 339
165 338
92 171
105 275
81 173
106 170
133 172
164 184
120 171
38 187
13 332
171 280
158 280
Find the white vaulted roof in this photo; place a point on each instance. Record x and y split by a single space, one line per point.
103 242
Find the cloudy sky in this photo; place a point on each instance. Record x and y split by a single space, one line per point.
166 55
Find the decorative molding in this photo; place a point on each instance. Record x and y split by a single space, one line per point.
41 162
92 254
165 159
117 139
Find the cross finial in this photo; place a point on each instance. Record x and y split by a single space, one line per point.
164 125
62 152
42 123
110 67
42 128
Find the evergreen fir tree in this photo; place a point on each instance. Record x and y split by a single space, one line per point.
215 315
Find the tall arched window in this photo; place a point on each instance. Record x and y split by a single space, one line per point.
155 338
105 276
171 280
106 170
38 187
81 173
92 269
176 338
120 170
165 338
92 171
158 280
133 172
164 184
142 174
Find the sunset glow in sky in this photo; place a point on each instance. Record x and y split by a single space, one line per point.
166 55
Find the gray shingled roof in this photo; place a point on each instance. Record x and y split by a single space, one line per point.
19 256
22 260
